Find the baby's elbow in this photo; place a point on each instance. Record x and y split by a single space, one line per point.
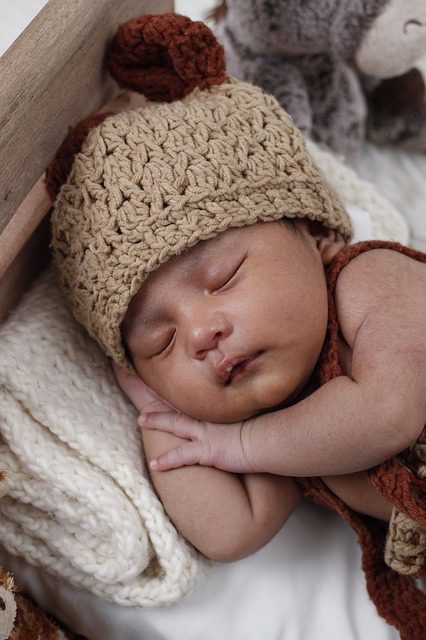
238 542
404 425
223 555
414 431
230 550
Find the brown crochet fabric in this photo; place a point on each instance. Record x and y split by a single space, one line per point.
396 596
58 171
149 183
165 56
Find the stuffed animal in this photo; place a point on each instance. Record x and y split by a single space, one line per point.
32 623
342 68
7 605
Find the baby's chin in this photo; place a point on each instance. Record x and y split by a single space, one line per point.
228 415
215 411
242 406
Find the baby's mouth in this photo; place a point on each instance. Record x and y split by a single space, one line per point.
231 368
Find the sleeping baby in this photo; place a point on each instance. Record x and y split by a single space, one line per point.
201 247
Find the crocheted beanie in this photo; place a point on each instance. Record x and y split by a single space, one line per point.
147 184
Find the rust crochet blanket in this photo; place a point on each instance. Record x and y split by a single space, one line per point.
392 556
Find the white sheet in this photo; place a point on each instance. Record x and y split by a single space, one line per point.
306 584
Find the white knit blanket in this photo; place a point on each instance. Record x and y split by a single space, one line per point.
79 500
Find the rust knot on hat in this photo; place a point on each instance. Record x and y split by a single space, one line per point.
147 184
165 57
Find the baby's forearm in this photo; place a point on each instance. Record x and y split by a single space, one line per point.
265 505
340 428
224 515
358 493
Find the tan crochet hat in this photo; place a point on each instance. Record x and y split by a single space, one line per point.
149 183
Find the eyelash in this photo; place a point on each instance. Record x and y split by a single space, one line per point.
166 346
229 276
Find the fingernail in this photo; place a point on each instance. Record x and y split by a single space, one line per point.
142 420
153 464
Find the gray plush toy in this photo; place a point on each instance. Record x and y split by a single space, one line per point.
342 68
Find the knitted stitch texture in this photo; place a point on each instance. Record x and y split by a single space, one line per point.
79 501
150 183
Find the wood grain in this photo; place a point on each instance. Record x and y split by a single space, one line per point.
23 224
24 268
51 77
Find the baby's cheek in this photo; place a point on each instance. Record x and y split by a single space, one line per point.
151 376
176 388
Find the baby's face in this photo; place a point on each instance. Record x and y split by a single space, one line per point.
235 325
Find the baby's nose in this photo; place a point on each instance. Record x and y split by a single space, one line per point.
206 334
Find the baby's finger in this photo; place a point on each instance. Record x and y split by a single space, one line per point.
184 455
176 423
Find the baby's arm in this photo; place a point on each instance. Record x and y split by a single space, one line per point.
357 492
224 515
355 421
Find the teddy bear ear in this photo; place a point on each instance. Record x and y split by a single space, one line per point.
399 96
166 56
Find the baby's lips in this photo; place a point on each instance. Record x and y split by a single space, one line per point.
227 365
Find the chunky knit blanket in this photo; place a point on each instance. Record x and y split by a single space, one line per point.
79 499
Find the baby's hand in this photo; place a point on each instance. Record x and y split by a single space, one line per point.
210 445
139 394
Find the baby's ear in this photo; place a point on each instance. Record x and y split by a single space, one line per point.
329 241
330 245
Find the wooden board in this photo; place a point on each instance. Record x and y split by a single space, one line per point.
51 77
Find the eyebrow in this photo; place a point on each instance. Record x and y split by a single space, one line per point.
195 259
149 317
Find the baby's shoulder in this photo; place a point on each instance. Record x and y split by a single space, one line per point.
381 272
379 281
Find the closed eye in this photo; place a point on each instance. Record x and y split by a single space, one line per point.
166 345
228 278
